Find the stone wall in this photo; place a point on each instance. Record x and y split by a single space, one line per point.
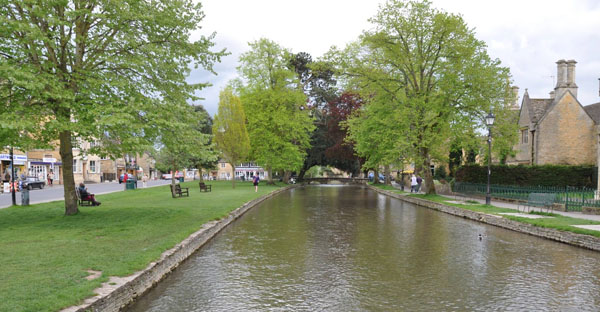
566 135
119 292
580 240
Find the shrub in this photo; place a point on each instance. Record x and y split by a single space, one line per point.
545 175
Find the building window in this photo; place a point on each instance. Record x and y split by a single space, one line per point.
524 136
75 166
223 165
93 166
104 158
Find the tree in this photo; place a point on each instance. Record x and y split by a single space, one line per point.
278 123
429 66
341 153
318 84
229 130
204 125
182 144
374 129
96 70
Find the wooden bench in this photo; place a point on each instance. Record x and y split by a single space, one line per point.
542 200
179 191
80 201
205 187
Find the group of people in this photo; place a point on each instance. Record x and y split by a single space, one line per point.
415 183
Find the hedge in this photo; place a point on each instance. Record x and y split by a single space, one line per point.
546 175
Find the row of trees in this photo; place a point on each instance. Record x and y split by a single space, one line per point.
417 82
413 89
428 82
111 72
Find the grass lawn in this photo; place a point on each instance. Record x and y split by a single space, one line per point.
45 255
559 222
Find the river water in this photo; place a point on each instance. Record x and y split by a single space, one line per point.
347 248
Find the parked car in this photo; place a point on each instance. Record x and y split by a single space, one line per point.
34 182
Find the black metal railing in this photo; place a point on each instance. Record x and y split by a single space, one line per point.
572 197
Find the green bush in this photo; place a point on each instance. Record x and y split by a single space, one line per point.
440 173
546 175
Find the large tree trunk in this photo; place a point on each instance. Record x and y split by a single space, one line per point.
388 180
270 173
173 171
429 187
66 154
301 174
286 176
232 175
376 176
200 173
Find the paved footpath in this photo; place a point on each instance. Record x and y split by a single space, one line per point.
521 207
56 192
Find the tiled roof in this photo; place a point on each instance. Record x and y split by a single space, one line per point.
537 108
594 111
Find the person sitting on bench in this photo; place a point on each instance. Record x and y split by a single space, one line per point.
85 195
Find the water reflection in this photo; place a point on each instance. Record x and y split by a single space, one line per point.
350 249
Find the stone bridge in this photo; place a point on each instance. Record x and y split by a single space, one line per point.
335 180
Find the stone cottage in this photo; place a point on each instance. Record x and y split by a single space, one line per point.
558 130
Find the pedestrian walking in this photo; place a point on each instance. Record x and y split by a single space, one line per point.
144 180
255 180
413 184
419 181
50 177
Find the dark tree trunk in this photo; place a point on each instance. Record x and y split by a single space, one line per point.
270 178
233 175
172 178
376 176
66 154
429 187
388 178
286 176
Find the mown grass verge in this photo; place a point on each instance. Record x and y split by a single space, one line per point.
558 222
45 255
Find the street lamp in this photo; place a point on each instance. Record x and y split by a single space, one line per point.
489 121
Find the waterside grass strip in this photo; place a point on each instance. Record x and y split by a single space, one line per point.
50 261
565 234
119 292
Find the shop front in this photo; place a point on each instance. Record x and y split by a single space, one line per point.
20 165
45 168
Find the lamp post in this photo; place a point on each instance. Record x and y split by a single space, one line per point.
489 121
12 174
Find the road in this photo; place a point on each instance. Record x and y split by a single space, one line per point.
57 192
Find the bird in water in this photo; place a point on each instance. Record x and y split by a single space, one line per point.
480 237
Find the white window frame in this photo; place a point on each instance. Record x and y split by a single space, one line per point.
93 166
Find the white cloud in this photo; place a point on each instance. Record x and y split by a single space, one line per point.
527 36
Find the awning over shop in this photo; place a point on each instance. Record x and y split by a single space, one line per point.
19 159
45 163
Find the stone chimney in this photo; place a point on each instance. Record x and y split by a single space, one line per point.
515 104
552 94
561 74
565 80
571 77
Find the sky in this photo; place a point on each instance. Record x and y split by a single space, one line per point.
528 36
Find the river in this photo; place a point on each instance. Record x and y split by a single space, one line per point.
347 248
